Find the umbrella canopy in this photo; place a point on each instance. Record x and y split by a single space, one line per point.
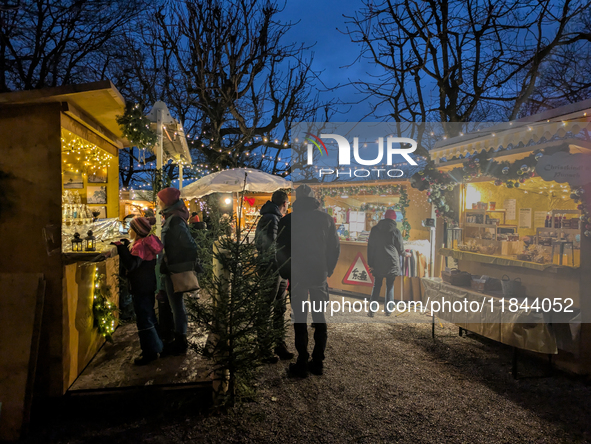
232 181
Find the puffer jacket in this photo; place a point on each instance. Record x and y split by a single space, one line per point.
266 231
384 248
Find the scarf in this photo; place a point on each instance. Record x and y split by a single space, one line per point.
146 248
177 209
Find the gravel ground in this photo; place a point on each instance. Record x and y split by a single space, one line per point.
382 383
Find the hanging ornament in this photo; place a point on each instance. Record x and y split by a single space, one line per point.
521 180
477 161
506 170
588 233
574 197
421 173
524 168
580 206
538 156
509 184
498 182
520 172
580 191
516 185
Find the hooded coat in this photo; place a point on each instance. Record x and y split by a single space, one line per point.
384 248
284 247
180 249
315 245
140 263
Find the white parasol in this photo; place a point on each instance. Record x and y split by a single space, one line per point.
232 181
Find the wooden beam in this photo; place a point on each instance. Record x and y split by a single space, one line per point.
83 118
83 131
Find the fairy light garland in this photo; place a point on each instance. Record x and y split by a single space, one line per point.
381 190
103 310
79 155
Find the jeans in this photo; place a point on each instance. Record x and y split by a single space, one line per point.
177 306
375 293
143 305
318 295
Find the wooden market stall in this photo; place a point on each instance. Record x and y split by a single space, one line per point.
356 207
523 233
60 169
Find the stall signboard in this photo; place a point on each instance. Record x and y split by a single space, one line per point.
561 167
358 273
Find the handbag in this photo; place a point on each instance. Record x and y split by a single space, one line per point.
185 281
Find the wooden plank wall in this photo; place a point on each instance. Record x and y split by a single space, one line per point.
22 294
30 145
82 339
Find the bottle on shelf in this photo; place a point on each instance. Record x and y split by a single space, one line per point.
548 222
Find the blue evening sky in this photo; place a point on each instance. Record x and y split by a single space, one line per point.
321 22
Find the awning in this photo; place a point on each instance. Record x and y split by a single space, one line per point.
175 145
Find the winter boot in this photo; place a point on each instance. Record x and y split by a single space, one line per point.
316 367
299 369
283 353
177 347
145 358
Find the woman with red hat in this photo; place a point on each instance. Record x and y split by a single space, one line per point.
180 255
138 258
384 248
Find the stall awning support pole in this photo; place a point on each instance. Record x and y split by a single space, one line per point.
159 168
180 176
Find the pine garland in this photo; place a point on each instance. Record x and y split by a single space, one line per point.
103 310
136 126
372 190
504 173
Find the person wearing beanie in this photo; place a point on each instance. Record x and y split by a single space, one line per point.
180 255
138 259
314 246
384 247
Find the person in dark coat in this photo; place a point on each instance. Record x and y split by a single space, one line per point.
265 236
315 250
284 247
384 248
195 223
138 258
180 254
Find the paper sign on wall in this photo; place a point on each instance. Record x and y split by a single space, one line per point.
525 218
510 206
539 219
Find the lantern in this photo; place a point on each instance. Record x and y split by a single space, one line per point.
90 242
77 243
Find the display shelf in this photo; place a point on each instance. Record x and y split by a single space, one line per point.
555 212
503 260
470 225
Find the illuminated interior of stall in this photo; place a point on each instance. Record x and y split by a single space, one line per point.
504 221
89 180
371 207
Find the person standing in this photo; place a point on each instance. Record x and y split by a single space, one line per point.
315 248
138 258
180 255
384 248
265 236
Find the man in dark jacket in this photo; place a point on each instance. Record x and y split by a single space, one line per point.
265 237
315 250
384 248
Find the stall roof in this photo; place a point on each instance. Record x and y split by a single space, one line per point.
96 105
532 132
